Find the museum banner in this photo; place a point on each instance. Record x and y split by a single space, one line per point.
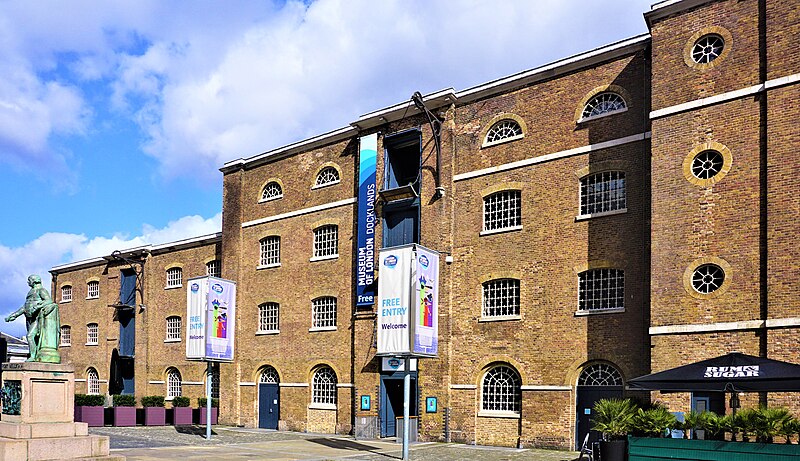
196 302
426 287
394 301
365 255
211 314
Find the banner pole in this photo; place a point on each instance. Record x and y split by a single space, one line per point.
406 405
208 400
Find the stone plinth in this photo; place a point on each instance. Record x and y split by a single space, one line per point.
38 416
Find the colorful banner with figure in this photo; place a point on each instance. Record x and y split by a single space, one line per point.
365 256
221 316
426 280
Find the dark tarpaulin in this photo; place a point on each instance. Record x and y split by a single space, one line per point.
731 372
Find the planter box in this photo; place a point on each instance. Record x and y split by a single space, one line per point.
182 416
652 449
94 415
201 415
155 416
124 416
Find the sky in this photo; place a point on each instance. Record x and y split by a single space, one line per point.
115 117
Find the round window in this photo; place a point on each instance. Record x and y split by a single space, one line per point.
707 164
707 48
707 278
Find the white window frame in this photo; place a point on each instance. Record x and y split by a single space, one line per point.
92 289
66 294
174 277
323 388
269 252
174 388
600 374
214 268
503 210
66 336
501 295
598 284
92 382
597 187
326 242
268 318
323 313
501 392
606 113
92 334
173 330
273 194
499 125
327 176
269 375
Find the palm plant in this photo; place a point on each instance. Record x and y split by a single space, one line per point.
613 417
726 423
745 422
789 428
693 420
768 423
654 422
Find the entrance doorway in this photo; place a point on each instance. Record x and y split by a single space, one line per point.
596 382
391 401
269 399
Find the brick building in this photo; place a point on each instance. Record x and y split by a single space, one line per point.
622 211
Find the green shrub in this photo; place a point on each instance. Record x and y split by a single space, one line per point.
85 400
124 400
180 402
769 421
153 401
790 428
613 417
654 421
202 401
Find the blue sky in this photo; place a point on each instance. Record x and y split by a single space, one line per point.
115 117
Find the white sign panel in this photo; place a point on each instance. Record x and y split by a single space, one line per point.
211 314
394 301
196 301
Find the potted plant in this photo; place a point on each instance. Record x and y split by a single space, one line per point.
789 428
201 410
654 422
124 410
89 409
154 412
182 414
614 418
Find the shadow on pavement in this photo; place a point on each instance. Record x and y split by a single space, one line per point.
193 430
344 444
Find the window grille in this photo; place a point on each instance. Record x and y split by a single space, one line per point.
173 383
603 103
214 268
502 210
502 130
323 312
271 191
707 164
328 175
323 387
601 289
600 374
268 317
91 334
92 382
501 298
707 48
174 277
326 241
603 192
270 251
502 390
269 375
707 278
66 293
173 328
93 289
66 335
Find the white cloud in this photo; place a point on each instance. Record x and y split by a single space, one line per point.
48 250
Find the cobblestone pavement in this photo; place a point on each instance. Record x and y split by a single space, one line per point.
235 444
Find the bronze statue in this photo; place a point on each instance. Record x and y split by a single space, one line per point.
43 323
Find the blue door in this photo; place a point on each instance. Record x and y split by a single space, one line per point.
268 405
401 225
391 403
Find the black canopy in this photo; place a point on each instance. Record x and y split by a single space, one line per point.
732 372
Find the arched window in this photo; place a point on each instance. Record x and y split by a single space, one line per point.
174 277
501 390
93 290
92 382
173 383
600 374
323 386
214 268
504 130
66 335
269 375
271 191
326 177
603 103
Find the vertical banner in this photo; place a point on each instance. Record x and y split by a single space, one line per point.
426 302
196 300
365 259
220 319
394 293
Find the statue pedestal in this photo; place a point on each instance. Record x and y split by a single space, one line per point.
37 421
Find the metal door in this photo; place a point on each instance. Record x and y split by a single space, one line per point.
392 403
268 405
587 396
